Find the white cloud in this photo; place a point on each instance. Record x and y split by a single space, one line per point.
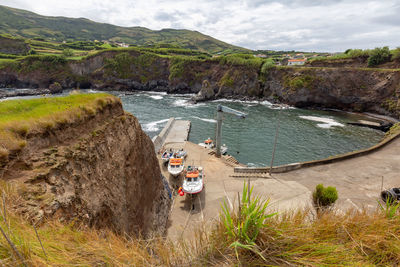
329 25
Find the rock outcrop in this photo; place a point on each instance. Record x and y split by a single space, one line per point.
101 171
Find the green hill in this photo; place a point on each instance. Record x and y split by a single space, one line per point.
27 24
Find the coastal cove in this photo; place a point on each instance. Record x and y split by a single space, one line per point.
303 135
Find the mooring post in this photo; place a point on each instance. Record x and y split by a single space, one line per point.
275 141
219 130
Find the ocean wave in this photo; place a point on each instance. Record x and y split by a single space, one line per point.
206 120
156 97
153 126
252 103
326 122
187 104
181 103
156 93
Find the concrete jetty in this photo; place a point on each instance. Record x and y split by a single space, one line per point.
175 133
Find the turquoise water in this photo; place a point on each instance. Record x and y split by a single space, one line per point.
303 134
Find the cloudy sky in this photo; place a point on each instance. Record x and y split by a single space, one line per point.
308 25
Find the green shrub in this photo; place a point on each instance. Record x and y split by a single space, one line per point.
242 228
324 196
68 52
120 65
396 53
266 67
378 56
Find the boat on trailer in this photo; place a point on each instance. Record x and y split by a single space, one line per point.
194 180
210 145
166 155
176 166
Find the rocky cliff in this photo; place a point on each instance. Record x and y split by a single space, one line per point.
349 88
100 170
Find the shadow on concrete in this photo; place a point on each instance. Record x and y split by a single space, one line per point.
194 203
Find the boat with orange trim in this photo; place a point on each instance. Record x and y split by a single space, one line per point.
194 180
209 143
176 166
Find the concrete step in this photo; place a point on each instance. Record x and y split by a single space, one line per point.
251 175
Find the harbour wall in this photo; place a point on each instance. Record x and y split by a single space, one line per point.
159 139
298 165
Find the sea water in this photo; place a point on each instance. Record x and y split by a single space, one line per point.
303 134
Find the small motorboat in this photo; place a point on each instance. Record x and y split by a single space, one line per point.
167 155
207 143
176 166
193 182
180 154
224 149
210 145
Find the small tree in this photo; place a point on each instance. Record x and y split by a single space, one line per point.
324 196
68 52
396 53
378 56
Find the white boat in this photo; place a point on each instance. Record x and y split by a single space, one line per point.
210 145
176 166
167 155
180 154
207 143
224 149
193 182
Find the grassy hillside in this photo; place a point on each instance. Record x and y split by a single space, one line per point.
26 24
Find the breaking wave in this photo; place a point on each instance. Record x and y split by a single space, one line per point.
153 126
326 122
206 120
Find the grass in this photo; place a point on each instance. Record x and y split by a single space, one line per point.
19 118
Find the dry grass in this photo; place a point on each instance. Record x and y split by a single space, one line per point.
331 239
19 118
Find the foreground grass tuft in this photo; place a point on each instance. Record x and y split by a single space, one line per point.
19 118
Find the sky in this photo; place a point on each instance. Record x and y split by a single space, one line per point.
302 25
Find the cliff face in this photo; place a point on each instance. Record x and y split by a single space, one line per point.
341 88
348 88
101 171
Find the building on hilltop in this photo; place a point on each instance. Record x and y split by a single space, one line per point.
292 62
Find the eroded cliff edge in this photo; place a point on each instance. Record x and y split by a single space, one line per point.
99 170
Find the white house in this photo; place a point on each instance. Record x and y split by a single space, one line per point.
299 61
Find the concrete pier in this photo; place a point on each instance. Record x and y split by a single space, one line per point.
175 132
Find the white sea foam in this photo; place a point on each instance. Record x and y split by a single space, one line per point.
187 104
206 120
252 103
326 122
181 103
157 97
157 93
153 126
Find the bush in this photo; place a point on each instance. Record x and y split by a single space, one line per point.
68 52
324 197
378 56
396 54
